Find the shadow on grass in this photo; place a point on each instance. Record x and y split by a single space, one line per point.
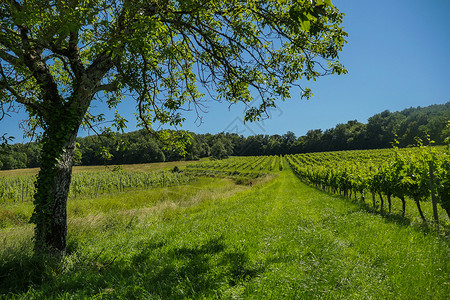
398 218
191 271
156 270
392 217
22 271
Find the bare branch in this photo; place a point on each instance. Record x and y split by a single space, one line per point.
11 59
110 87
4 84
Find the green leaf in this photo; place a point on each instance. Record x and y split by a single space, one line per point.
328 2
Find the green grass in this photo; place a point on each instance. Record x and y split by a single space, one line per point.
217 240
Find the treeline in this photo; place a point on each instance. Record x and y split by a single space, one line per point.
381 130
140 147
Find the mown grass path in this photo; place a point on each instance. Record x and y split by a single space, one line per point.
279 240
297 242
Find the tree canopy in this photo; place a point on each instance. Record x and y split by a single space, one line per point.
58 57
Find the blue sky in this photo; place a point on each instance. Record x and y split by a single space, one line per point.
397 56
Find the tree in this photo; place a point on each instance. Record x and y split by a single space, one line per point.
219 151
313 140
58 57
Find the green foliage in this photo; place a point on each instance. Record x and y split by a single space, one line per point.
154 51
243 181
218 151
250 165
399 172
443 179
117 169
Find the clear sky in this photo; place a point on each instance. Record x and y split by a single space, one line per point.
397 56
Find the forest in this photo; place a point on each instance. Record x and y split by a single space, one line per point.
426 123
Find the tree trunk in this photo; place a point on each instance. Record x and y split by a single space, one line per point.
447 209
381 201
402 198
389 202
52 189
61 117
433 196
373 199
417 200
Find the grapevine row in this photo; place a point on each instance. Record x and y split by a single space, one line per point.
421 174
22 188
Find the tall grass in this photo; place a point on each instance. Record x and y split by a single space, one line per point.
217 240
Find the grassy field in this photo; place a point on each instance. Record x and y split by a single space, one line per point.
214 239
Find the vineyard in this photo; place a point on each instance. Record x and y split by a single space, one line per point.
415 176
242 227
91 184
248 164
418 176
421 174
240 168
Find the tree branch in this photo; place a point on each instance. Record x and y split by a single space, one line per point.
11 59
23 100
109 87
72 52
40 71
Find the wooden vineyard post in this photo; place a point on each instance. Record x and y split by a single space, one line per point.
433 196
98 188
23 191
373 199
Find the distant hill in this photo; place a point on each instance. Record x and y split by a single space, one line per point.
139 147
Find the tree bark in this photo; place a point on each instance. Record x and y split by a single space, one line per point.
389 202
402 198
373 199
447 209
381 201
433 196
52 189
417 200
